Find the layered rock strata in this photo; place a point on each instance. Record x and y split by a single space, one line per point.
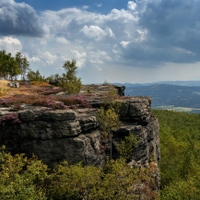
73 135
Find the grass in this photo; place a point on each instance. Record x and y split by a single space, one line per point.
38 94
3 91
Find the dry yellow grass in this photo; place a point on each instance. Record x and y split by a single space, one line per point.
6 91
3 83
39 83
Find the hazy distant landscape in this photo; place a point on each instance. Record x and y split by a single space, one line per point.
175 95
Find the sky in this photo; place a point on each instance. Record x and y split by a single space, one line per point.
113 41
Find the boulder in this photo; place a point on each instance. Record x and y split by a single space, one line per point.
13 84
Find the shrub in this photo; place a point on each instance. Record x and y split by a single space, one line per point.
75 182
54 102
111 94
126 146
21 178
109 122
48 90
29 179
9 118
116 181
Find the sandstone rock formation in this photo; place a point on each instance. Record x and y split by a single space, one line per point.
73 135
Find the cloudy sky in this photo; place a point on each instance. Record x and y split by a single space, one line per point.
136 41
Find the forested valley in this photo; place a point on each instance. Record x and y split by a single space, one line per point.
180 152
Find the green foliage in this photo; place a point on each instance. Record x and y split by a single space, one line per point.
35 76
69 82
180 150
123 182
109 122
106 82
9 67
126 146
75 182
181 189
89 89
23 64
21 178
29 179
53 77
116 181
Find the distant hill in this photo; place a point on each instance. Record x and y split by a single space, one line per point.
168 95
180 83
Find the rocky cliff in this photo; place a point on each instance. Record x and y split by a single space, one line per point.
73 135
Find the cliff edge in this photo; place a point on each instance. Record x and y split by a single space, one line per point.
73 134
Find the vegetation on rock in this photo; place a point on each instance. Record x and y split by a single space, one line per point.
54 102
125 147
69 81
109 121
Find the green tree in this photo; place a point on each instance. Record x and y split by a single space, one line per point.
53 77
180 148
2 63
109 122
23 64
70 83
8 66
35 76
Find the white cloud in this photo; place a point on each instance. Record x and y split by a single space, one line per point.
62 40
132 5
99 57
93 32
48 58
10 44
139 42
99 5
34 59
142 35
80 57
85 7
124 43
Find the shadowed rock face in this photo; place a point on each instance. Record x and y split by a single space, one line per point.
73 135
